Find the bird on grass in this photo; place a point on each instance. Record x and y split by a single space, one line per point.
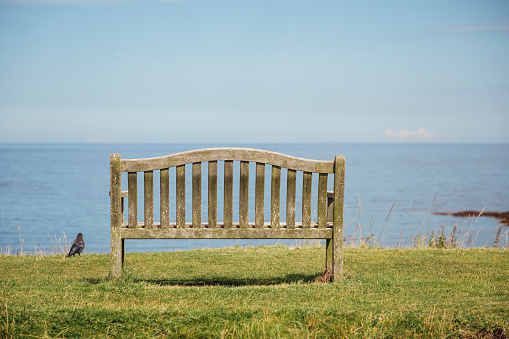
77 246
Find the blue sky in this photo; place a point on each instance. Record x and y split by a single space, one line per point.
275 71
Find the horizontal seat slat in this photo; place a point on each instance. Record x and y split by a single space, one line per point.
226 233
235 225
233 154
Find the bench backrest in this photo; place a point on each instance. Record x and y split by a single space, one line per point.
326 213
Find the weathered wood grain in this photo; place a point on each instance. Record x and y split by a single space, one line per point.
224 233
228 194
233 154
181 195
117 243
337 228
322 200
244 195
212 194
291 189
148 197
132 199
259 195
275 197
306 199
164 200
236 225
116 193
330 206
196 195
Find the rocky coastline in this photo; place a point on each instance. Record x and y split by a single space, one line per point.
502 216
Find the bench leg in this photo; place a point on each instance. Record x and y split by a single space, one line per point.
337 258
117 254
328 255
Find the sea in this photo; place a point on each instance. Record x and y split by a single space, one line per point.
50 192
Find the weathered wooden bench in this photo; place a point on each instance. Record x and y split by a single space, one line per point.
329 212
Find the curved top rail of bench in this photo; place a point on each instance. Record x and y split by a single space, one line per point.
238 154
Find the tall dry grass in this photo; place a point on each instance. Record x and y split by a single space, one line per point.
436 236
430 234
59 245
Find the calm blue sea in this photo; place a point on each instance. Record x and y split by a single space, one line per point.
50 189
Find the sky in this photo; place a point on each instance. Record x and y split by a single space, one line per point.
263 71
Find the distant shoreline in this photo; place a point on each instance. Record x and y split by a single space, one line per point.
502 216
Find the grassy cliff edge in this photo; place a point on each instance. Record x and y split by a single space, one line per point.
259 292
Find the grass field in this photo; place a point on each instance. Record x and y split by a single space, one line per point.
259 292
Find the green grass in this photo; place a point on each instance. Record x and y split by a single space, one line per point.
259 292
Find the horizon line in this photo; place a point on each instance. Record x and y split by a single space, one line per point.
242 143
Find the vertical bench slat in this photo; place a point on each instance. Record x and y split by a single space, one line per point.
275 197
148 184
122 208
212 197
306 199
330 205
322 200
197 195
181 195
164 201
259 195
291 189
244 195
228 194
132 183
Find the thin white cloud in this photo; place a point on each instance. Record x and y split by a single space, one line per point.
405 135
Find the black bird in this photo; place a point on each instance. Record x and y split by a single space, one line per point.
77 246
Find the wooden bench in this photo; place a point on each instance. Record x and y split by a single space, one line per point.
329 210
